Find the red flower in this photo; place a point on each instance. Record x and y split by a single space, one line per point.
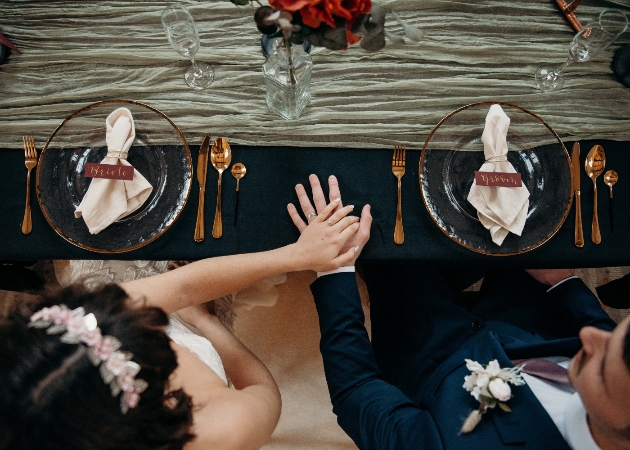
314 12
289 5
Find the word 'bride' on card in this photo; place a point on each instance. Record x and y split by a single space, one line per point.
109 171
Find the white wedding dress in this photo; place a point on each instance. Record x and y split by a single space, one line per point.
187 336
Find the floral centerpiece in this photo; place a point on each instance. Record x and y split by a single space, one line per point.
490 385
333 24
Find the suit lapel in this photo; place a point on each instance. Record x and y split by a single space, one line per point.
528 422
527 426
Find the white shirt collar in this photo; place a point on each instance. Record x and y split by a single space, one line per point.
576 431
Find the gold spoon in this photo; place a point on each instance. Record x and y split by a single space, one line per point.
610 178
594 166
220 156
238 172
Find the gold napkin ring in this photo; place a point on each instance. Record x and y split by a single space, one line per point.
497 158
117 154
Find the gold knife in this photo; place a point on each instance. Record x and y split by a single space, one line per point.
202 170
575 177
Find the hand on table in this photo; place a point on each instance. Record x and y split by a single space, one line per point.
550 277
356 241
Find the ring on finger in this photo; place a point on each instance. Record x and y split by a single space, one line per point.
329 222
310 216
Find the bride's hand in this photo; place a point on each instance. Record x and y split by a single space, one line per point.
357 241
319 246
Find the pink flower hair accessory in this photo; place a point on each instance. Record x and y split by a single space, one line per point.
116 367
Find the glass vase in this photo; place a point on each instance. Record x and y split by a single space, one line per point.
287 74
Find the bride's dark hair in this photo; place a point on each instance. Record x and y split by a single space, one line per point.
52 397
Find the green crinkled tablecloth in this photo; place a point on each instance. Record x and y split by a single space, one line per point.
79 52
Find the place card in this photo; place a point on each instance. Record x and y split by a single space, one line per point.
109 171
498 179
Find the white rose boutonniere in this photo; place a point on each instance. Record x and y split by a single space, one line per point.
490 385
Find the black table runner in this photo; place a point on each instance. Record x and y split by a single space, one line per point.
364 176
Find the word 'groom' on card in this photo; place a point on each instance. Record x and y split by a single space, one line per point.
498 179
109 171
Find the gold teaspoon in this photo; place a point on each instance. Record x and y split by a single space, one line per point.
594 166
610 178
238 172
220 156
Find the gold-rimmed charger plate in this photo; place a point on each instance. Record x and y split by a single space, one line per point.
159 152
454 151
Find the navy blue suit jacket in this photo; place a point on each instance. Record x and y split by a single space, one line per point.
378 415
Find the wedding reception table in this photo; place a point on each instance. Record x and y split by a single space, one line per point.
75 53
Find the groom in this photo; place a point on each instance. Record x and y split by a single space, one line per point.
404 389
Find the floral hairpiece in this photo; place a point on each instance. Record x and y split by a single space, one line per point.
115 367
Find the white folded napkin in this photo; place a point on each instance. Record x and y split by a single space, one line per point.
109 200
500 209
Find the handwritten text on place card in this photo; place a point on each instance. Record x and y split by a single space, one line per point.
109 171
498 179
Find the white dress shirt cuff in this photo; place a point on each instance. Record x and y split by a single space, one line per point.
559 283
339 270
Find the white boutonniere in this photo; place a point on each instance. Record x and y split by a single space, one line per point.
490 385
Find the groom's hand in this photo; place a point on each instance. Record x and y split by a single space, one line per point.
357 241
550 277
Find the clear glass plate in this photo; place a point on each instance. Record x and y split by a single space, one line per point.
159 152
454 151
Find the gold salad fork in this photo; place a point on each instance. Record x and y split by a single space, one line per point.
398 169
30 156
220 157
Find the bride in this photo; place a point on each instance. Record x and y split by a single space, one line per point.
93 368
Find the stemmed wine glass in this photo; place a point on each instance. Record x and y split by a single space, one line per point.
591 40
182 33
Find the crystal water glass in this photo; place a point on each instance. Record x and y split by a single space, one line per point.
183 36
595 37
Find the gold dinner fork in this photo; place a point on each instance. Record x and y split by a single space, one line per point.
30 156
398 169
220 156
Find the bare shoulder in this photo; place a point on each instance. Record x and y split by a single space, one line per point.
229 420
195 377
223 417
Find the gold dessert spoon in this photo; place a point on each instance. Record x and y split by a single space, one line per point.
594 166
238 172
220 156
610 178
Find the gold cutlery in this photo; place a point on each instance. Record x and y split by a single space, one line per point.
594 166
30 157
238 172
575 177
202 171
398 169
610 178
220 156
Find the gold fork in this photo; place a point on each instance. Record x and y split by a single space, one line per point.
220 157
398 169
30 156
